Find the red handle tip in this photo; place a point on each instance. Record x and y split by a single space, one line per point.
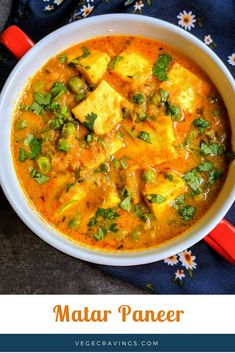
16 41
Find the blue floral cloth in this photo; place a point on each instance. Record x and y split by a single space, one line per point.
198 270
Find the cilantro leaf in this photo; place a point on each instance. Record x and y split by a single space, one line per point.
37 176
145 136
90 120
201 124
194 180
57 89
22 155
155 198
126 204
143 213
138 98
205 166
114 62
106 213
187 212
211 149
174 111
42 99
35 145
63 58
160 67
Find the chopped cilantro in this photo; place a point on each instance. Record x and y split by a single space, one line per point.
205 166
138 98
160 67
174 111
21 124
28 139
114 62
187 212
100 234
211 149
123 163
104 167
194 180
145 136
214 175
126 204
35 145
169 177
90 120
85 53
106 213
155 198
37 176
42 99
201 124
164 95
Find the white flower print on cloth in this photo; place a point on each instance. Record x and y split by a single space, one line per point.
49 8
172 260
231 59
179 274
86 10
208 40
187 260
138 5
58 2
186 20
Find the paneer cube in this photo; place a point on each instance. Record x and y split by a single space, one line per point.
107 104
112 143
93 66
132 67
169 190
112 198
159 150
71 197
185 88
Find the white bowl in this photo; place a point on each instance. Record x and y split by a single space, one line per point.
78 32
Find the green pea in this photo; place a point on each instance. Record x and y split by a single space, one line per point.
44 164
80 96
63 145
74 222
69 129
148 176
76 84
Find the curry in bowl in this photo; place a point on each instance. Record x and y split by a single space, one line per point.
121 143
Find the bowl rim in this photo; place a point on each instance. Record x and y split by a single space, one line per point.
79 251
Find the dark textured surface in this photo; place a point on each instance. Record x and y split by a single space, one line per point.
29 265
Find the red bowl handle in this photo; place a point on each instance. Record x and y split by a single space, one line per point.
222 240
16 41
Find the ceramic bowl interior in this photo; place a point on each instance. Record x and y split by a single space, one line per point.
79 32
